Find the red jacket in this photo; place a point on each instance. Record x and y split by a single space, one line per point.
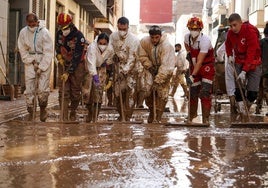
246 46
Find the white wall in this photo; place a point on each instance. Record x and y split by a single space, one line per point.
4 8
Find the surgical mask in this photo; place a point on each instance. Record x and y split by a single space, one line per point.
66 32
32 29
102 47
122 33
194 34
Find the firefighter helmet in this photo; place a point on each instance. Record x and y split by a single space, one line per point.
195 23
64 20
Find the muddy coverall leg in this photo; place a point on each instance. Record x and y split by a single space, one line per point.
43 93
76 80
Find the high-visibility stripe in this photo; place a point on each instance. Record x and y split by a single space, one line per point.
207 81
196 84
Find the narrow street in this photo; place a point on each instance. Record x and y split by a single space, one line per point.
133 155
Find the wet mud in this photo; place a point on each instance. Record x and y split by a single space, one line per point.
134 155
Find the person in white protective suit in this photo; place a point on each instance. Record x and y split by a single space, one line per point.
157 56
124 45
96 63
181 66
36 50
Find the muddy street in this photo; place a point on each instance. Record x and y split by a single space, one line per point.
133 155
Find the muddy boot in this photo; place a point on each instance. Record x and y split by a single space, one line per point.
205 115
30 116
159 114
140 99
43 113
150 117
95 112
241 107
233 108
193 111
89 113
73 115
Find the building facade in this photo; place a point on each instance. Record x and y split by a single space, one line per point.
90 16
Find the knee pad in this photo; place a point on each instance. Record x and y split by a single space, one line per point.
252 96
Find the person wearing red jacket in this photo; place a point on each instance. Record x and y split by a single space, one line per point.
243 51
201 64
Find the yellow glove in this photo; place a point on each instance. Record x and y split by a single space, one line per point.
64 77
60 59
109 84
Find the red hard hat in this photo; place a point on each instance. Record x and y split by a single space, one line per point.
64 20
195 23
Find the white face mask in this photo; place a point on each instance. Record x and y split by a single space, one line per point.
194 33
102 47
32 29
122 33
66 32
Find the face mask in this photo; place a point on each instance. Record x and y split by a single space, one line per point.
122 34
194 33
102 47
32 29
66 32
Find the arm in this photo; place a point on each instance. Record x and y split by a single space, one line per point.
47 50
24 49
167 64
143 57
228 45
79 49
91 59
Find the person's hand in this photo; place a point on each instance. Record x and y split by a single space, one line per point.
38 72
242 76
64 77
108 85
96 80
231 60
190 80
35 64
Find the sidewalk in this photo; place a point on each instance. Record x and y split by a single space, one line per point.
12 109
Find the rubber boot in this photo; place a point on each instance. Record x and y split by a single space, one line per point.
73 115
43 113
151 116
241 107
193 110
89 113
140 99
205 114
30 116
95 112
233 108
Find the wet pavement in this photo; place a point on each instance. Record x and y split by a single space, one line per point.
134 155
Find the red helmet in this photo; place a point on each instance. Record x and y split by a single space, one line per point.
195 23
64 20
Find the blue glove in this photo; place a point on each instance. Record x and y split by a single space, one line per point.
96 80
190 80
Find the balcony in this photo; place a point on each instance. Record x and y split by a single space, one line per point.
97 8
105 24
256 18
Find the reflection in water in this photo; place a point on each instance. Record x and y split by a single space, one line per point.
131 156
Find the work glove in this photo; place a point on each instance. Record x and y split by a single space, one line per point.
108 85
64 77
38 72
60 59
242 76
190 80
35 64
231 60
96 80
